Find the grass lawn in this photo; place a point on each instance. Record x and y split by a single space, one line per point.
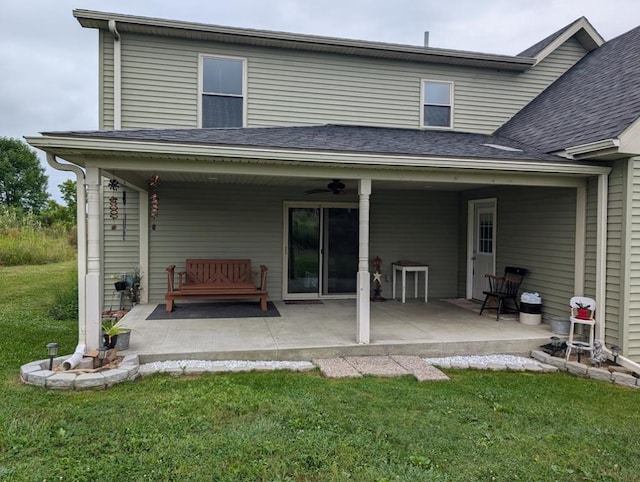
291 426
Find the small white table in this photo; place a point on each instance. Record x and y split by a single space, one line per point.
415 268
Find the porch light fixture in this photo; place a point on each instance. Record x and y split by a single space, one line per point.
52 351
102 353
615 351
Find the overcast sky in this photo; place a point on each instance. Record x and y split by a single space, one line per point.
49 64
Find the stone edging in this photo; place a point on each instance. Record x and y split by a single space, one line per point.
583 370
37 373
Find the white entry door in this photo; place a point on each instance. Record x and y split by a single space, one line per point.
482 246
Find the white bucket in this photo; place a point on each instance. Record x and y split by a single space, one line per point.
530 318
560 326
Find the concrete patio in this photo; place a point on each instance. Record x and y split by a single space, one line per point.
309 331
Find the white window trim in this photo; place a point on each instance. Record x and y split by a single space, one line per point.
201 58
451 105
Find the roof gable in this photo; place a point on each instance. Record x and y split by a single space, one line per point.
598 98
583 31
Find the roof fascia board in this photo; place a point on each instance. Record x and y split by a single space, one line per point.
94 19
588 37
593 148
630 139
60 144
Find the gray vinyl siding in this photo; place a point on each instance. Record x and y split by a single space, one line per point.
106 81
216 221
418 226
120 253
632 343
160 86
536 231
615 254
221 221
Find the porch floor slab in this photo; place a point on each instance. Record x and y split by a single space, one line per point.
328 330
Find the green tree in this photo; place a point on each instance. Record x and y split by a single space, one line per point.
70 195
23 183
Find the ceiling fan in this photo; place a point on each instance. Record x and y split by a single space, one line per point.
336 187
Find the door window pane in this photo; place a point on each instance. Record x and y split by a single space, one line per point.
485 233
304 244
341 250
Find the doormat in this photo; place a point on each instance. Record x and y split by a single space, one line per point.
190 311
303 302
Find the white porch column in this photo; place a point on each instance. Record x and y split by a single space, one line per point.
93 306
601 255
364 277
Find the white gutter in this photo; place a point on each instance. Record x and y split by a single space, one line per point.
117 76
94 146
81 220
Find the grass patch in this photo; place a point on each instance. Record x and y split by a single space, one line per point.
289 426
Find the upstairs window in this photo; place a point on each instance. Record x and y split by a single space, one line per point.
437 103
222 92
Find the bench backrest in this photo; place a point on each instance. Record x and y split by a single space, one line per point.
218 271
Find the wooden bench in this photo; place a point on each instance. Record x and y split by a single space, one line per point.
207 279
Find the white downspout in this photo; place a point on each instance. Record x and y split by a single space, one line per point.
81 217
117 76
601 256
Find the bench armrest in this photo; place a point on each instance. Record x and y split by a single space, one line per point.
263 277
170 270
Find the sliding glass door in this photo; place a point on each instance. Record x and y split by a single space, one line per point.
321 251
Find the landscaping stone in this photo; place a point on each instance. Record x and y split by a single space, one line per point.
60 380
514 367
86 363
599 374
145 370
624 379
131 369
114 375
417 366
496 366
460 364
382 366
25 370
548 368
90 380
336 368
533 368
39 378
576 368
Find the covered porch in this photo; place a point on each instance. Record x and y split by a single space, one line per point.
308 331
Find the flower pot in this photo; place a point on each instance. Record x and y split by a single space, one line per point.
120 285
123 340
110 341
583 313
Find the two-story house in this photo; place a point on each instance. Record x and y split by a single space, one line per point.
313 155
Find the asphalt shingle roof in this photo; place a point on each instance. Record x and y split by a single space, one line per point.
598 98
379 140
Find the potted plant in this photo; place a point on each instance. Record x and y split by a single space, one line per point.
110 332
134 278
120 282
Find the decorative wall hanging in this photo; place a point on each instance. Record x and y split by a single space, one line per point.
154 182
113 202
124 215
